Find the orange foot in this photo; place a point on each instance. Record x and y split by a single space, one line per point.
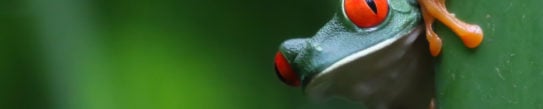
471 35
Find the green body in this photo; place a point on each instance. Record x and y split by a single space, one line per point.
340 38
376 66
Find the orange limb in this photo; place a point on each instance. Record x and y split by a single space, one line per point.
433 40
471 35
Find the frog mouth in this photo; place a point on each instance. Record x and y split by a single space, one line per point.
369 72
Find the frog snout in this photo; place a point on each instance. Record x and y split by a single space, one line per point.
284 59
291 48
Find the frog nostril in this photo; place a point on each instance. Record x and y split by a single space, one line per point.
284 71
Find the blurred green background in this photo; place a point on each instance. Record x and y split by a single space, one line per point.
506 70
151 54
196 54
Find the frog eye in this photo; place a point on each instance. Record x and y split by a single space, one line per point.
366 13
284 71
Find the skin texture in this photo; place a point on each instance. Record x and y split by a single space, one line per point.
340 38
385 66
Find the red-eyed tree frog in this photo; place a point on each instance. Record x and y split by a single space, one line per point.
369 53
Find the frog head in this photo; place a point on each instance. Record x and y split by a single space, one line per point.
366 52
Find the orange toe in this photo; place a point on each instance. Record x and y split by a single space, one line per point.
434 42
472 36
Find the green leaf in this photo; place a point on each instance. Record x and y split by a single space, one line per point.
505 71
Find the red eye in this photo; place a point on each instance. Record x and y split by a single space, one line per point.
366 13
284 71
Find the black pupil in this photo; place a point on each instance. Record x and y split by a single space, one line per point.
372 5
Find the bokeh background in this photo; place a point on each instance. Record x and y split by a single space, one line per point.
152 54
218 54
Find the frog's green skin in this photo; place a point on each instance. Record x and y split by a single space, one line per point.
383 67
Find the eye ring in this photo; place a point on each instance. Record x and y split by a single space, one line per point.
365 13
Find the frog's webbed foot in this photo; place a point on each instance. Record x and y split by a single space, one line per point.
471 35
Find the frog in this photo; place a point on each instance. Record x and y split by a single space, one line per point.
373 52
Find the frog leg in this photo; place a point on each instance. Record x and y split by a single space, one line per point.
471 35
442 3
433 39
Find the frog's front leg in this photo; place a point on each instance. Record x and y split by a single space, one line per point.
433 40
471 35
